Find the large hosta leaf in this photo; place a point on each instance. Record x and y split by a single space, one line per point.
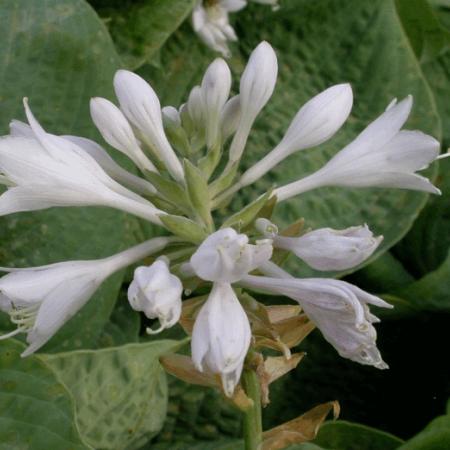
36 410
140 28
59 54
319 44
426 246
435 436
120 392
343 435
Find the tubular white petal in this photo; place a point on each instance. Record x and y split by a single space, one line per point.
101 156
256 87
117 132
221 336
62 174
385 127
141 106
58 307
328 249
339 310
317 121
20 129
215 90
230 117
381 156
41 299
196 107
113 169
170 114
233 5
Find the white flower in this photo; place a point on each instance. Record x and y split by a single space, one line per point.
156 292
328 249
339 309
41 299
316 121
196 108
113 169
227 256
48 170
212 25
221 336
210 21
230 118
171 116
256 87
381 156
117 132
141 107
215 90
116 172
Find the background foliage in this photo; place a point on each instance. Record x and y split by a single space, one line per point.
111 392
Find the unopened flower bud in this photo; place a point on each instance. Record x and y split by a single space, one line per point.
157 293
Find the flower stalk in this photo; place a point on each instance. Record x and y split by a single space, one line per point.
253 416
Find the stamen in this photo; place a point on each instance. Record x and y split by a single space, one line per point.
12 333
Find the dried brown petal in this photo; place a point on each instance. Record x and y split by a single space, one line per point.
281 312
182 367
301 429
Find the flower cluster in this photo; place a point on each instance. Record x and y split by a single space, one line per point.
210 21
178 151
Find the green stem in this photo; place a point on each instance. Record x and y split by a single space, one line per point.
253 416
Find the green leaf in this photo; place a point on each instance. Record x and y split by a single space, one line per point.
383 275
37 412
435 436
248 214
427 36
335 41
120 393
197 418
60 58
343 435
123 326
184 228
431 292
197 188
425 247
140 28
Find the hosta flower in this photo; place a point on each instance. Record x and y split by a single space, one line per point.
231 116
116 130
339 309
157 293
221 336
383 155
211 130
49 170
316 122
256 87
141 107
41 299
215 90
328 249
227 256
116 172
211 22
